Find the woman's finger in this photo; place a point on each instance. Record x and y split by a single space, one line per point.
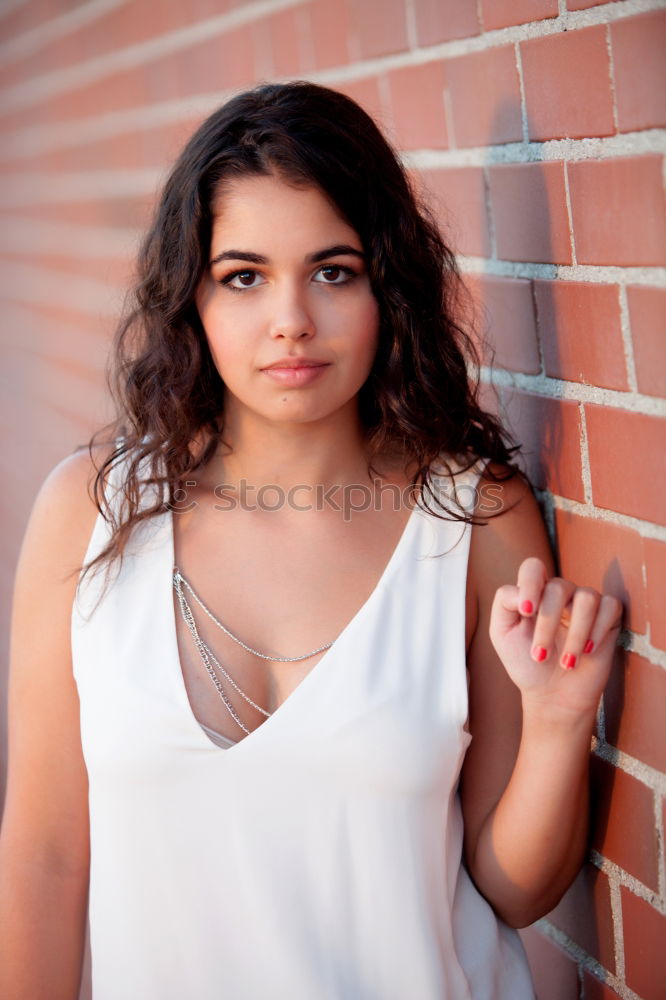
582 615
532 577
504 613
608 618
556 595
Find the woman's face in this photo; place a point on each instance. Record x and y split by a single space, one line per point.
287 282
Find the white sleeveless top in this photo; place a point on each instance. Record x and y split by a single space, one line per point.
319 858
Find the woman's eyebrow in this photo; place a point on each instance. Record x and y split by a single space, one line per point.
337 250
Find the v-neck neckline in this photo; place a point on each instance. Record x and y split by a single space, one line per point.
317 669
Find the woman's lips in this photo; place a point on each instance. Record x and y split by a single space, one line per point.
302 375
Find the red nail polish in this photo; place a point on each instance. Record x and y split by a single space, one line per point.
588 647
568 661
539 653
526 607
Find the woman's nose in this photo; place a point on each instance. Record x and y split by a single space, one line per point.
291 317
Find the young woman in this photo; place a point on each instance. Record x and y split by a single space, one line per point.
315 720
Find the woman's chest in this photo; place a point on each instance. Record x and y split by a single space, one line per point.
265 596
396 664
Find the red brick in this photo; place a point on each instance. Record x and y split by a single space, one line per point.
73 334
644 952
126 24
122 89
595 990
584 914
639 68
634 701
503 13
443 20
623 826
505 322
549 430
580 332
110 270
485 97
330 31
215 63
380 30
628 475
22 18
647 316
530 211
582 4
107 31
262 47
457 195
147 147
655 571
554 973
419 123
618 211
366 93
557 71
606 556
118 213
290 57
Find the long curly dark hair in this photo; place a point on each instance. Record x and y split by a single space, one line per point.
421 397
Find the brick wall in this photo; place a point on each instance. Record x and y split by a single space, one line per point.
537 127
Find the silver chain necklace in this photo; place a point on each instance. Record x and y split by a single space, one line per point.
209 659
179 579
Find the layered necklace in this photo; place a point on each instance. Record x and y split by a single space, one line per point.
210 661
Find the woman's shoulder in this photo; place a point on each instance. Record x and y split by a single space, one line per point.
70 482
509 527
482 487
64 511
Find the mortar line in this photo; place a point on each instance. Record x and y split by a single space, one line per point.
523 100
579 392
27 140
611 76
412 31
618 928
627 339
53 29
586 474
646 529
36 89
567 199
661 847
628 881
649 776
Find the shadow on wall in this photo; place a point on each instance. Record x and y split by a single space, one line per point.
522 324
503 216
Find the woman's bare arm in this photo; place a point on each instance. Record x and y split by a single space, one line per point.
44 844
525 779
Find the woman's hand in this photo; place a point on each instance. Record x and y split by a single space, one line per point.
525 776
555 640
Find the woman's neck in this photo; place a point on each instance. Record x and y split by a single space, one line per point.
324 453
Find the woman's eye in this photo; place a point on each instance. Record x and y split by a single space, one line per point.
330 274
336 274
241 279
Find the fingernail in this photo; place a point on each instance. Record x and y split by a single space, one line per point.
568 661
526 607
539 653
588 647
